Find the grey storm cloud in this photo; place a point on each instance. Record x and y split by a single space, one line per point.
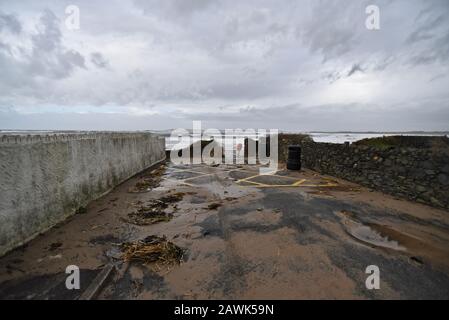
430 35
98 60
174 8
49 56
9 21
355 68
45 56
425 31
295 63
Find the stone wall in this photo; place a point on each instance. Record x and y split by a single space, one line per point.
45 179
419 174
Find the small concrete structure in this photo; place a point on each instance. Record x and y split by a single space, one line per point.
46 178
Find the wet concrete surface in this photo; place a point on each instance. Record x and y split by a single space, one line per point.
289 235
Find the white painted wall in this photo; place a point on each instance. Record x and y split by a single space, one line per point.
45 179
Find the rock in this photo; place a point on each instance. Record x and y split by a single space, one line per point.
427 165
435 202
417 173
427 195
205 233
421 188
443 179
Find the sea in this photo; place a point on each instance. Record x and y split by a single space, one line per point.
329 137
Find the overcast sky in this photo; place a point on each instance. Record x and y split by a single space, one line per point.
291 65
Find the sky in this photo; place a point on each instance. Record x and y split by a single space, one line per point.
284 64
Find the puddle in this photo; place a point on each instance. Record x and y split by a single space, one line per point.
369 235
372 234
181 175
421 250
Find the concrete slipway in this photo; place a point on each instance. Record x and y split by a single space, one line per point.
284 236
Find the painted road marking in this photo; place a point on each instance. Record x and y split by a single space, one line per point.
297 183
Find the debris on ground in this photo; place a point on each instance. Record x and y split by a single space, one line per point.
81 210
149 180
145 184
154 211
417 260
152 249
205 233
114 253
214 206
171 198
107 239
324 193
54 246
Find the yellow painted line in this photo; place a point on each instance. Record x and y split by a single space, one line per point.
187 170
264 185
297 183
179 182
319 185
200 174
185 184
278 186
246 179
189 184
242 170
252 182
270 175
203 175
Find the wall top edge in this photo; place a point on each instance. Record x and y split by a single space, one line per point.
60 137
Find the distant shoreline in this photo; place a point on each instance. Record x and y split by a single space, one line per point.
281 131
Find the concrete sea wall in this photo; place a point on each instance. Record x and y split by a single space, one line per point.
418 174
45 179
